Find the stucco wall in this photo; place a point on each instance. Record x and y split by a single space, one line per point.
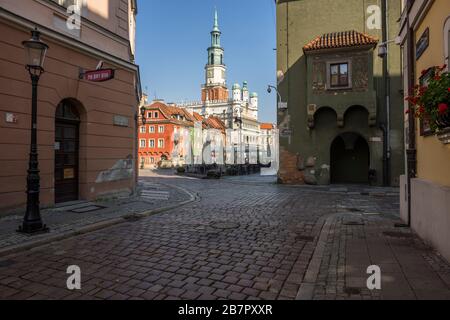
105 149
433 156
431 214
108 31
299 22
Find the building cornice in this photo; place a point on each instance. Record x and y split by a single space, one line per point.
65 40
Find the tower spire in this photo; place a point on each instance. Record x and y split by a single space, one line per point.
216 20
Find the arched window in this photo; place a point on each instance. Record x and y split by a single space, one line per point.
67 111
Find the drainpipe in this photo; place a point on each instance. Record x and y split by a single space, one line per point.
386 91
411 152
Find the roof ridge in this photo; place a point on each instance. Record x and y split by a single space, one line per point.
341 39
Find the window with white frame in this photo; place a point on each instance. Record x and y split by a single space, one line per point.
152 129
152 160
161 129
150 115
142 143
143 130
160 143
156 115
151 143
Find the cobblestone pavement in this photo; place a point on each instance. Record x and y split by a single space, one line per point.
77 215
238 241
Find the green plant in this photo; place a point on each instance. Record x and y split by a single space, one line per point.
432 102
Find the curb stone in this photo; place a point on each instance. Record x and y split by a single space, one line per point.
16 249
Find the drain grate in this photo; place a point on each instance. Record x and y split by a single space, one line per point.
87 209
6 263
351 290
224 225
397 234
132 217
353 223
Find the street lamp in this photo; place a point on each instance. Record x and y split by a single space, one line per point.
280 104
35 51
144 120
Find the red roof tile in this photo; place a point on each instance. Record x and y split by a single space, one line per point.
341 40
266 126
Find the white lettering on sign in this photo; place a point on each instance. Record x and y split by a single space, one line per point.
374 19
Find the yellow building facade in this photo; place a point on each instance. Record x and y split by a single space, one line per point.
425 188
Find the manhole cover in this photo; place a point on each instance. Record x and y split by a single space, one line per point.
397 234
305 238
6 263
225 225
352 291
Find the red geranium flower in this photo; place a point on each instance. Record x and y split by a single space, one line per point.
448 89
443 108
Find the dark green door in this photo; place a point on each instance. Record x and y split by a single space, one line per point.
350 159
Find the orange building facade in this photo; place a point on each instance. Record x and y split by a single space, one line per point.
163 133
86 130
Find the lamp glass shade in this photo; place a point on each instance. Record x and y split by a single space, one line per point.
35 51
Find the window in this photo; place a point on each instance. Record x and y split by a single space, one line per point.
68 3
151 143
161 129
161 143
142 143
143 130
339 75
150 115
156 115
152 160
152 129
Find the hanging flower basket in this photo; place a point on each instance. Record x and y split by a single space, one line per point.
432 101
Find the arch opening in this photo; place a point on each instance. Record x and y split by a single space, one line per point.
350 159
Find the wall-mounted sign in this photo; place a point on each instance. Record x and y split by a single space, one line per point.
423 43
282 105
99 75
11 118
69 173
121 121
286 132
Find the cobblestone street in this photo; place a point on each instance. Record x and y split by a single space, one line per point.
239 241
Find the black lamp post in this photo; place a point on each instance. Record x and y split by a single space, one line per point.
143 119
35 54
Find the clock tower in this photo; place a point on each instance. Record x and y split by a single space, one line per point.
215 87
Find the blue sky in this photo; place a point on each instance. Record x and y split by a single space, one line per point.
173 35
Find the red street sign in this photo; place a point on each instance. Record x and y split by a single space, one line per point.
99 75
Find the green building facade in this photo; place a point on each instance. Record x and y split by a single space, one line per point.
344 116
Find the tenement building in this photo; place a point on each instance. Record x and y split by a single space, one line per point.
87 100
344 119
425 187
